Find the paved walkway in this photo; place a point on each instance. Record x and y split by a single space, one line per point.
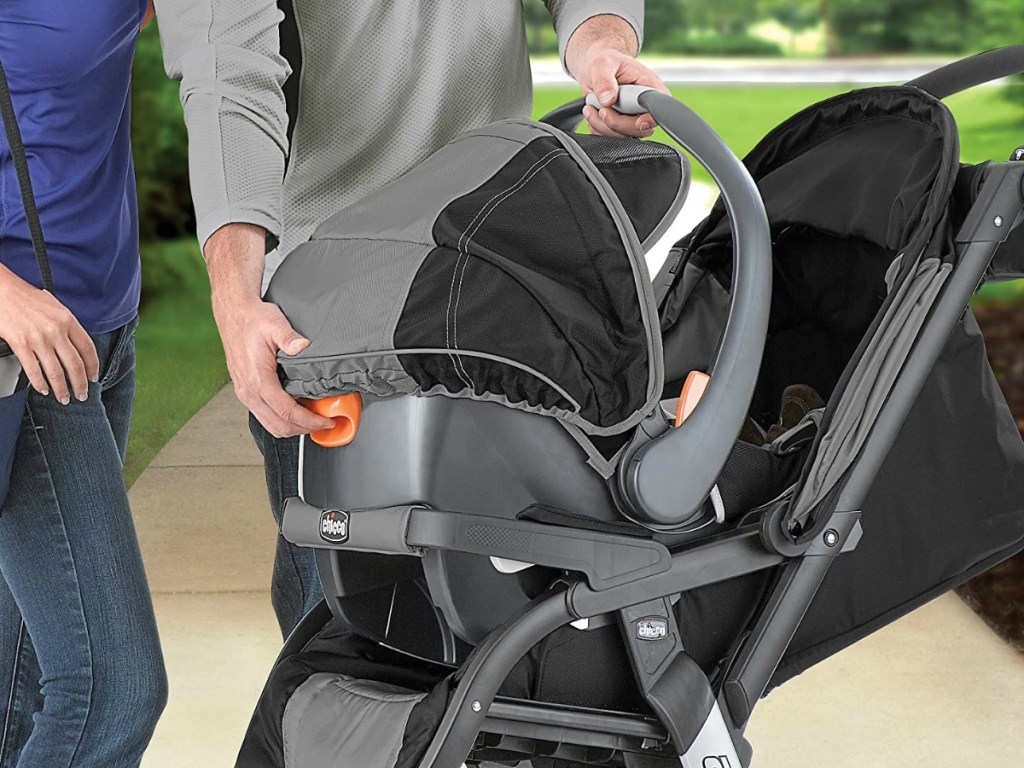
935 689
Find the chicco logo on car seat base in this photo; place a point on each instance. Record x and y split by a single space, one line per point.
334 526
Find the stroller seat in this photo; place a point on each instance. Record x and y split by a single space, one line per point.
528 552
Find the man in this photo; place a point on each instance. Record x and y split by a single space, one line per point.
298 108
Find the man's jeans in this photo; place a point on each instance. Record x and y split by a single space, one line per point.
92 676
295 587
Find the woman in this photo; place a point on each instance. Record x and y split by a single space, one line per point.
82 681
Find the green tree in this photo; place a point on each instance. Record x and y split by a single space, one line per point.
998 23
883 26
160 145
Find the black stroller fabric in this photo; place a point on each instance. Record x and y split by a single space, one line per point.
401 292
860 195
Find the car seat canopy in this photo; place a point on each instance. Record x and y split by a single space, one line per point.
507 267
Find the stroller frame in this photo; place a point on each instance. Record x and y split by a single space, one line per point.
632 581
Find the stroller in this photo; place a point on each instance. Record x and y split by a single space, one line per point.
561 520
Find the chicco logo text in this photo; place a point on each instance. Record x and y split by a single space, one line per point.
334 526
651 629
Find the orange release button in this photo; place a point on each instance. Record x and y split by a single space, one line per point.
345 410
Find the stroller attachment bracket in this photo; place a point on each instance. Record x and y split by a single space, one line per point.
997 210
365 530
606 560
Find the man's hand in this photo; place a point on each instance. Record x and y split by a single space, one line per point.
601 55
54 350
253 331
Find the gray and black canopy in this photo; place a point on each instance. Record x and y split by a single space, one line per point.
508 267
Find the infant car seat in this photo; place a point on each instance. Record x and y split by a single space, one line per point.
531 546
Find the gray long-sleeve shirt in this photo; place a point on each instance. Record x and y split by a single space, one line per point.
372 88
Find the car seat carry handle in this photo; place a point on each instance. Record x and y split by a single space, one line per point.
628 102
666 474
567 117
972 71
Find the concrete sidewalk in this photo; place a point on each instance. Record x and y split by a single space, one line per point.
935 689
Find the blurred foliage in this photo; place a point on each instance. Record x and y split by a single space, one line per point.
180 362
161 146
673 27
849 27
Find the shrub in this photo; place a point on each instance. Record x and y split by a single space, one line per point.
160 143
683 42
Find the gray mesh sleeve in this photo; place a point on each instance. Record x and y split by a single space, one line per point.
569 14
226 55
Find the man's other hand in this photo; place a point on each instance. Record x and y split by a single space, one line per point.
601 55
254 331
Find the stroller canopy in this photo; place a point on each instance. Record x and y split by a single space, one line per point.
507 267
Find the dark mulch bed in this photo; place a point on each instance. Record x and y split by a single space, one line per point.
998 595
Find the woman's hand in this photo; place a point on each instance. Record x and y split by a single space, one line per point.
51 345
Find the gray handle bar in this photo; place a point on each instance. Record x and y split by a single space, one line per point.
667 479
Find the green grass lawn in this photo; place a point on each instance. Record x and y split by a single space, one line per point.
990 128
180 360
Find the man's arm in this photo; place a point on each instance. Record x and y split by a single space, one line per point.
599 41
226 55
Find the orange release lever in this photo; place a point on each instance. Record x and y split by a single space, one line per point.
693 390
345 410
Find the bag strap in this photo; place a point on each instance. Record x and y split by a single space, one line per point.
28 200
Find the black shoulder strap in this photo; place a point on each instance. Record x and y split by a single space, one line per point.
972 71
28 199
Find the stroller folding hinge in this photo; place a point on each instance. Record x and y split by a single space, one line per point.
750 673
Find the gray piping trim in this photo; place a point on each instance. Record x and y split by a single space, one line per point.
595 460
677 203
440 351
645 288
867 393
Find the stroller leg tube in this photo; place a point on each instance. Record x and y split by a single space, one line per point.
486 671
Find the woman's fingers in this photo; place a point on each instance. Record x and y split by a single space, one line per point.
74 368
54 372
87 349
33 372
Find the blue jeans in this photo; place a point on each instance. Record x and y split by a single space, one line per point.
82 679
295 586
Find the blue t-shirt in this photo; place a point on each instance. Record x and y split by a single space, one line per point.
69 67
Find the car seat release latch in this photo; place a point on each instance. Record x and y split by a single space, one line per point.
345 410
694 387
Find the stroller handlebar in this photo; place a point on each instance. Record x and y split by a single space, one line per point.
973 71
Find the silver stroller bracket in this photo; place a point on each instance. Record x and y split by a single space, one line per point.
713 747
